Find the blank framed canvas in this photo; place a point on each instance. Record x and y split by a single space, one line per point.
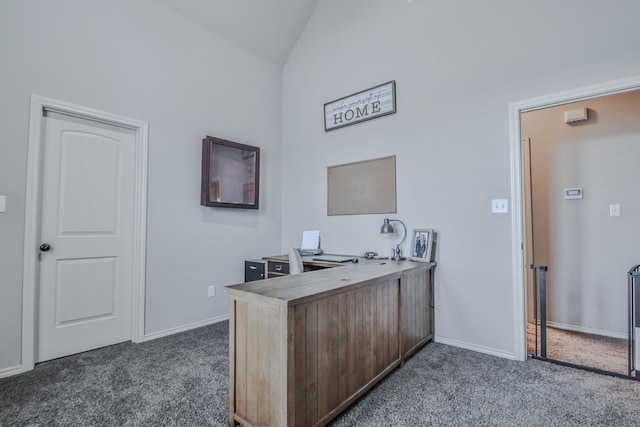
365 187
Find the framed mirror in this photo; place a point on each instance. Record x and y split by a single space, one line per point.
230 174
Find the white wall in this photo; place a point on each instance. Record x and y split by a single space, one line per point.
457 65
587 251
140 60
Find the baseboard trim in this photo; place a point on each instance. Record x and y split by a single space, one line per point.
586 330
184 328
10 371
474 347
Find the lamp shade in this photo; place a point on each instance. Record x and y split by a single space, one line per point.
387 228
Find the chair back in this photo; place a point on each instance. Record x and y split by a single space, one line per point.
295 261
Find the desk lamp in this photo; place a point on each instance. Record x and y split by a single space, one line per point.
387 228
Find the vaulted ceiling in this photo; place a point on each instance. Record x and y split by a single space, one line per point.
267 28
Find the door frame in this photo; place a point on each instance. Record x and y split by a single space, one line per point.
517 192
33 207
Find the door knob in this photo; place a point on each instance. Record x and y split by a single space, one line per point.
45 247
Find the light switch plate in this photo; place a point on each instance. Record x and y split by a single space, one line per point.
3 203
500 206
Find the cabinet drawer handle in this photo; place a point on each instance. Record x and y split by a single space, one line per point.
278 267
253 267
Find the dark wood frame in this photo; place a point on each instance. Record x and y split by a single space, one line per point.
205 194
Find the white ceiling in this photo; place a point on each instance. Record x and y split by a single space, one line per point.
268 28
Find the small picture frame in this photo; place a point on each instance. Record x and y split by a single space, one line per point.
422 244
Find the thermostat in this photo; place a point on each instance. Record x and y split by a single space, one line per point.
573 193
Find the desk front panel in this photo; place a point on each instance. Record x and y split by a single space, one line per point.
342 345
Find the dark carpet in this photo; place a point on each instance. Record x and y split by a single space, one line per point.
181 380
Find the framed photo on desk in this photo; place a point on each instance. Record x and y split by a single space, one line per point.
422 244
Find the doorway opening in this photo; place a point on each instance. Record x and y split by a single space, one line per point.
573 200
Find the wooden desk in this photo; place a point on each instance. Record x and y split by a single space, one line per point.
302 348
278 265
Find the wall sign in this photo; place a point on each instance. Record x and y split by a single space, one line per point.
368 104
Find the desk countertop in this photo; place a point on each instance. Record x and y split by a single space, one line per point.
295 289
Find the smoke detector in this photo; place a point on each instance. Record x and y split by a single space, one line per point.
573 116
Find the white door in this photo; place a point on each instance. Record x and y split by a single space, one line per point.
87 220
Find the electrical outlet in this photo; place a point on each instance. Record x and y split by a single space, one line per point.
614 210
212 291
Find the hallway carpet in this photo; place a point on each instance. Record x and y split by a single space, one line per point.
593 351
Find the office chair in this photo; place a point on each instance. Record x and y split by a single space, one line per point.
295 261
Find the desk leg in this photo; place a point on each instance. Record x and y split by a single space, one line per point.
432 308
232 361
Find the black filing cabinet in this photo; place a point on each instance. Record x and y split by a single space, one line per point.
253 270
